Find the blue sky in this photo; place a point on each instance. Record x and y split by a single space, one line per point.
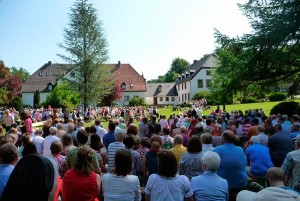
148 34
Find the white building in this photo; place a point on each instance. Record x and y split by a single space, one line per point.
161 94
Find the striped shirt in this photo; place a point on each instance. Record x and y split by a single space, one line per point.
112 148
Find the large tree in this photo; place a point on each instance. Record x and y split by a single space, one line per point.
86 48
271 52
22 72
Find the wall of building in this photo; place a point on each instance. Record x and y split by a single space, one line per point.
183 91
202 74
129 95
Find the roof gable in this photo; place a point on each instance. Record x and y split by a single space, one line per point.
167 89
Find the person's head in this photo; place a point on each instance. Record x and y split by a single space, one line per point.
178 139
53 130
24 129
183 129
38 132
60 126
255 121
6 139
206 138
84 160
295 127
120 135
34 172
295 118
111 126
70 127
166 131
208 122
228 136
96 143
56 147
82 137
97 122
275 175
132 129
145 142
66 140
8 154
153 118
145 120
194 145
29 148
210 161
297 142
260 129
255 139
167 164
129 141
25 139
156 138
123 162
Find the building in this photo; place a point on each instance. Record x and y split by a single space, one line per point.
46 77
196 78
161 94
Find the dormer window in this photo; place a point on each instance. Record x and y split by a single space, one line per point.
47 74
159 88
131 86
123 86
50 87
40 74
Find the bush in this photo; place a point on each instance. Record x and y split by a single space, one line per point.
17 103
207 95
277 96
136 101
288 108
250 99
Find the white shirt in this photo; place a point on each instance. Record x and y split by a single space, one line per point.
100 131
39 143
47 143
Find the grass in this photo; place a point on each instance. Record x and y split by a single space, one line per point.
266 106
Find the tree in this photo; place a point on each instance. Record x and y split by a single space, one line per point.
116 94
62 96
14 86
86 46
136 101
23 73
179 65
270 53
36 98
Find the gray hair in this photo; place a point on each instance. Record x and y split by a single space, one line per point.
178 139
60 126
211 160
53 130
255 139
120 134
260 129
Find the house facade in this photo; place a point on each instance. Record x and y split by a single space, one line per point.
161 94
196 78
46 78
43 80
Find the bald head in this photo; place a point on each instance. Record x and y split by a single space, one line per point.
228 136
178 139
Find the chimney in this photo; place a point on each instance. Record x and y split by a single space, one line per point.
195 61
119 63
49 63
142 74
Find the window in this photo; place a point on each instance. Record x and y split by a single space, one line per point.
208 72
40 74
179 87
178 98
126 98
185 85
161 99
172 98
184 96
167 98
182 86
208 83
123 86
200 83
47 74
50 87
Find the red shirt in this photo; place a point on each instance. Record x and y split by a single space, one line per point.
77 187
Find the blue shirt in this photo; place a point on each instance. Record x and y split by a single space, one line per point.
233 165
260 160
209 187
109 138
5 171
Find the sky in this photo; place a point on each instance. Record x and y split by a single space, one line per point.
148 34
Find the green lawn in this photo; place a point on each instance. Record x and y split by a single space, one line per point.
266 106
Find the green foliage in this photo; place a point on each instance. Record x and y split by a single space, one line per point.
62 96
23 73
136 101
288 108
3 95
249 99
86 48
17 103
36 99
277 96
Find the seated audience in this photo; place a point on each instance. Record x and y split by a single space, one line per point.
209 186
167 185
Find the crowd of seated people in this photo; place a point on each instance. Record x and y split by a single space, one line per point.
148 157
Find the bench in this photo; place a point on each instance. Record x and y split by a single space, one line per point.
38 124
